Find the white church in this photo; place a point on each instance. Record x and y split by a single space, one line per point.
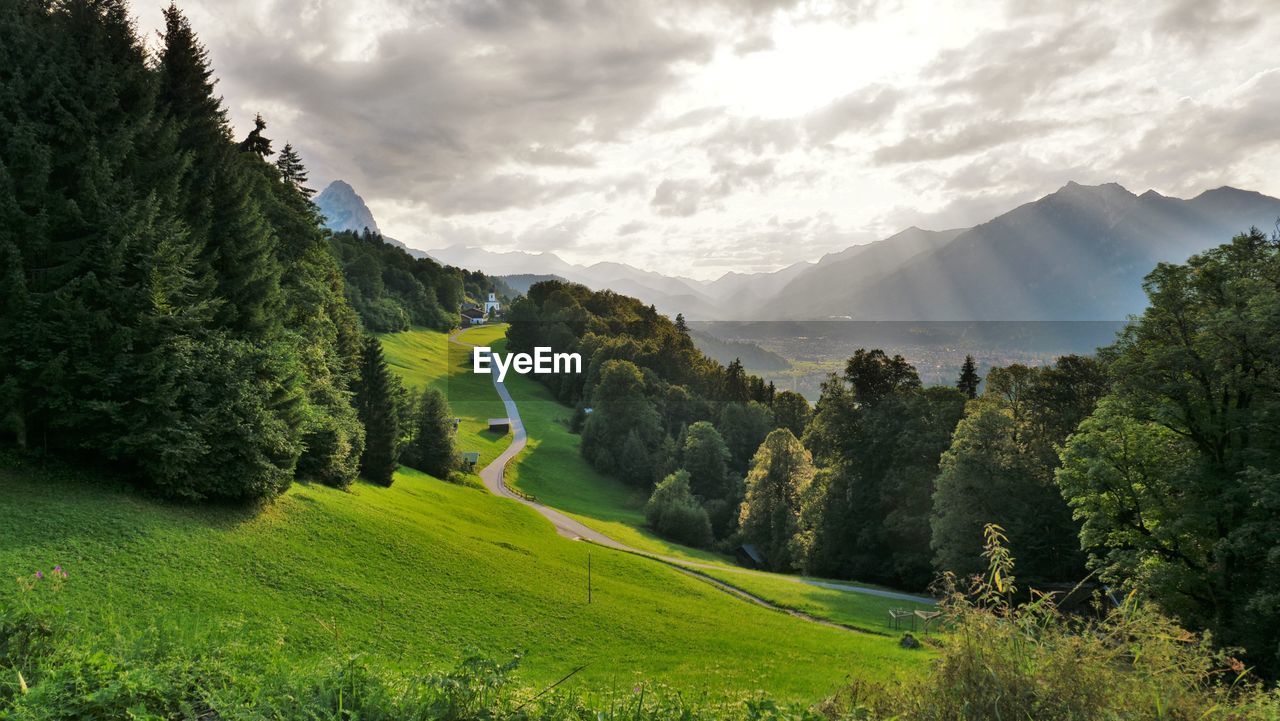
476 316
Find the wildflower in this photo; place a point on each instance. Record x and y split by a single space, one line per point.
39 576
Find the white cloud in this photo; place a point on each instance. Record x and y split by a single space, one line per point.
675 136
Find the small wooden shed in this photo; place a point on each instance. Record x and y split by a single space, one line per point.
470 459
500 425
749 556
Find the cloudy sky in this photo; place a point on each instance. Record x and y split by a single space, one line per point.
695 138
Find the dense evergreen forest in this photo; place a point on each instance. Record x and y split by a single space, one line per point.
1153 467
169 300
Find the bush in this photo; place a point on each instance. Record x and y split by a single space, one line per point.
674 513
334 442
1031 661
220 419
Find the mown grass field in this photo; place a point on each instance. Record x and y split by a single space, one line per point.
420 574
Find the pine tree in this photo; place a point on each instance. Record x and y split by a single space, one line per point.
292 171
255 142
735 382
376 401
969 380
220 194
432 448
682 326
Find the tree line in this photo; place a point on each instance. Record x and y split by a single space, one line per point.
1153 466
393 291
652 409
169 300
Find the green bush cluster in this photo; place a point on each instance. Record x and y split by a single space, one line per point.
674 512
1030 660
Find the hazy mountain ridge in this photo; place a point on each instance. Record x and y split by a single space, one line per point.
1079 253
521 282
807 294
670 295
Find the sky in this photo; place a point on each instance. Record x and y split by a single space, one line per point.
695 138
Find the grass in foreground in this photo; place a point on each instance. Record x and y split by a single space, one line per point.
1004 661
423 572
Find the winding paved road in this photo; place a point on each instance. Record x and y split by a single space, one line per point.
492 477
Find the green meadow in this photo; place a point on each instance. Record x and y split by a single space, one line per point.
418 575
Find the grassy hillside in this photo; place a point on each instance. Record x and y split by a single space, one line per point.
424 572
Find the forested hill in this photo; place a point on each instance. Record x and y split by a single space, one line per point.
392 290
169 301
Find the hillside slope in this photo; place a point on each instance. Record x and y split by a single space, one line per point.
424 572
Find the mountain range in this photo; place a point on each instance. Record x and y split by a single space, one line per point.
1079 253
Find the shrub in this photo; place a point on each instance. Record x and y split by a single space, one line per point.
334 443
1031 661
674 513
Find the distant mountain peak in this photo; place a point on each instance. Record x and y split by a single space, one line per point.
1102 189
1227 191
344 209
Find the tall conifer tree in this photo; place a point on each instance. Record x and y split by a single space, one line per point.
376 401
292 171
432 449
226 219
969 380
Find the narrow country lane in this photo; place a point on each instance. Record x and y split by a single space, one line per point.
492 477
